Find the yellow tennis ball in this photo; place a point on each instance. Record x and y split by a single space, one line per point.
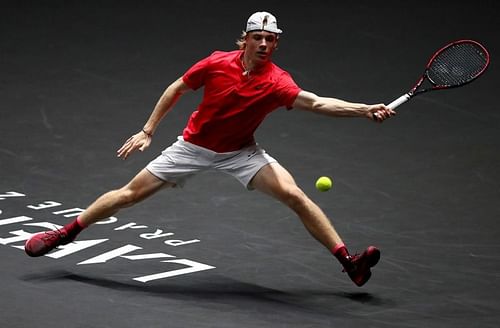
323 183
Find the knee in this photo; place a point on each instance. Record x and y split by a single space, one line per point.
294 198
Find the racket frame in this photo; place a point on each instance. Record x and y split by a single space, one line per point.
425 76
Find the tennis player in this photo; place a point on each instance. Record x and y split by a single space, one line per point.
240 88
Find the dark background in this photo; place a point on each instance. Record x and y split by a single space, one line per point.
77 78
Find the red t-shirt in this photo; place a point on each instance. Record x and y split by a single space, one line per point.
233 104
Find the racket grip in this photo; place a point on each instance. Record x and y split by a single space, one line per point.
401 100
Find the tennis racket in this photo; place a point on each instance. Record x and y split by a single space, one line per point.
454 65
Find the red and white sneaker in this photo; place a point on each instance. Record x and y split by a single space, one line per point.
42 243
359 266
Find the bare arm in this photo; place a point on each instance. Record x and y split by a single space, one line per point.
336 107
142 139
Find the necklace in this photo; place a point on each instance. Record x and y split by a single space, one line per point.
246 71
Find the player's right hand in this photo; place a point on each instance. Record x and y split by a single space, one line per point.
380 112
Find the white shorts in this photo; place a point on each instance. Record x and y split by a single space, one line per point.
183 159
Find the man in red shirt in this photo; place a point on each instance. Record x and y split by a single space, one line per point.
240 88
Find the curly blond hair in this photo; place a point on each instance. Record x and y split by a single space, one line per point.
241 42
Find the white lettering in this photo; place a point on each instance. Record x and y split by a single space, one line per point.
175 242
10 194
16 219
157 234
192 267
70 212
131 225
46 204
147 256
17 238
111 219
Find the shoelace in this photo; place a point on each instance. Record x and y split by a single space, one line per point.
352 257
53 234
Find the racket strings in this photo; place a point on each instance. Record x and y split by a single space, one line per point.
458 64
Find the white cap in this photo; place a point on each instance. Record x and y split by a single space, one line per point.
263 21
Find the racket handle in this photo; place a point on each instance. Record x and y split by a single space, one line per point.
401 100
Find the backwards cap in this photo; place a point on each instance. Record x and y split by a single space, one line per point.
263 21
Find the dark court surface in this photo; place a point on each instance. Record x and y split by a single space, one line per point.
77 78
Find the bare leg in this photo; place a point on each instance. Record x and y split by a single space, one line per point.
275 180
143 185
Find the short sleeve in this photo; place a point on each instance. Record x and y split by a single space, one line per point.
195 76
287 90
